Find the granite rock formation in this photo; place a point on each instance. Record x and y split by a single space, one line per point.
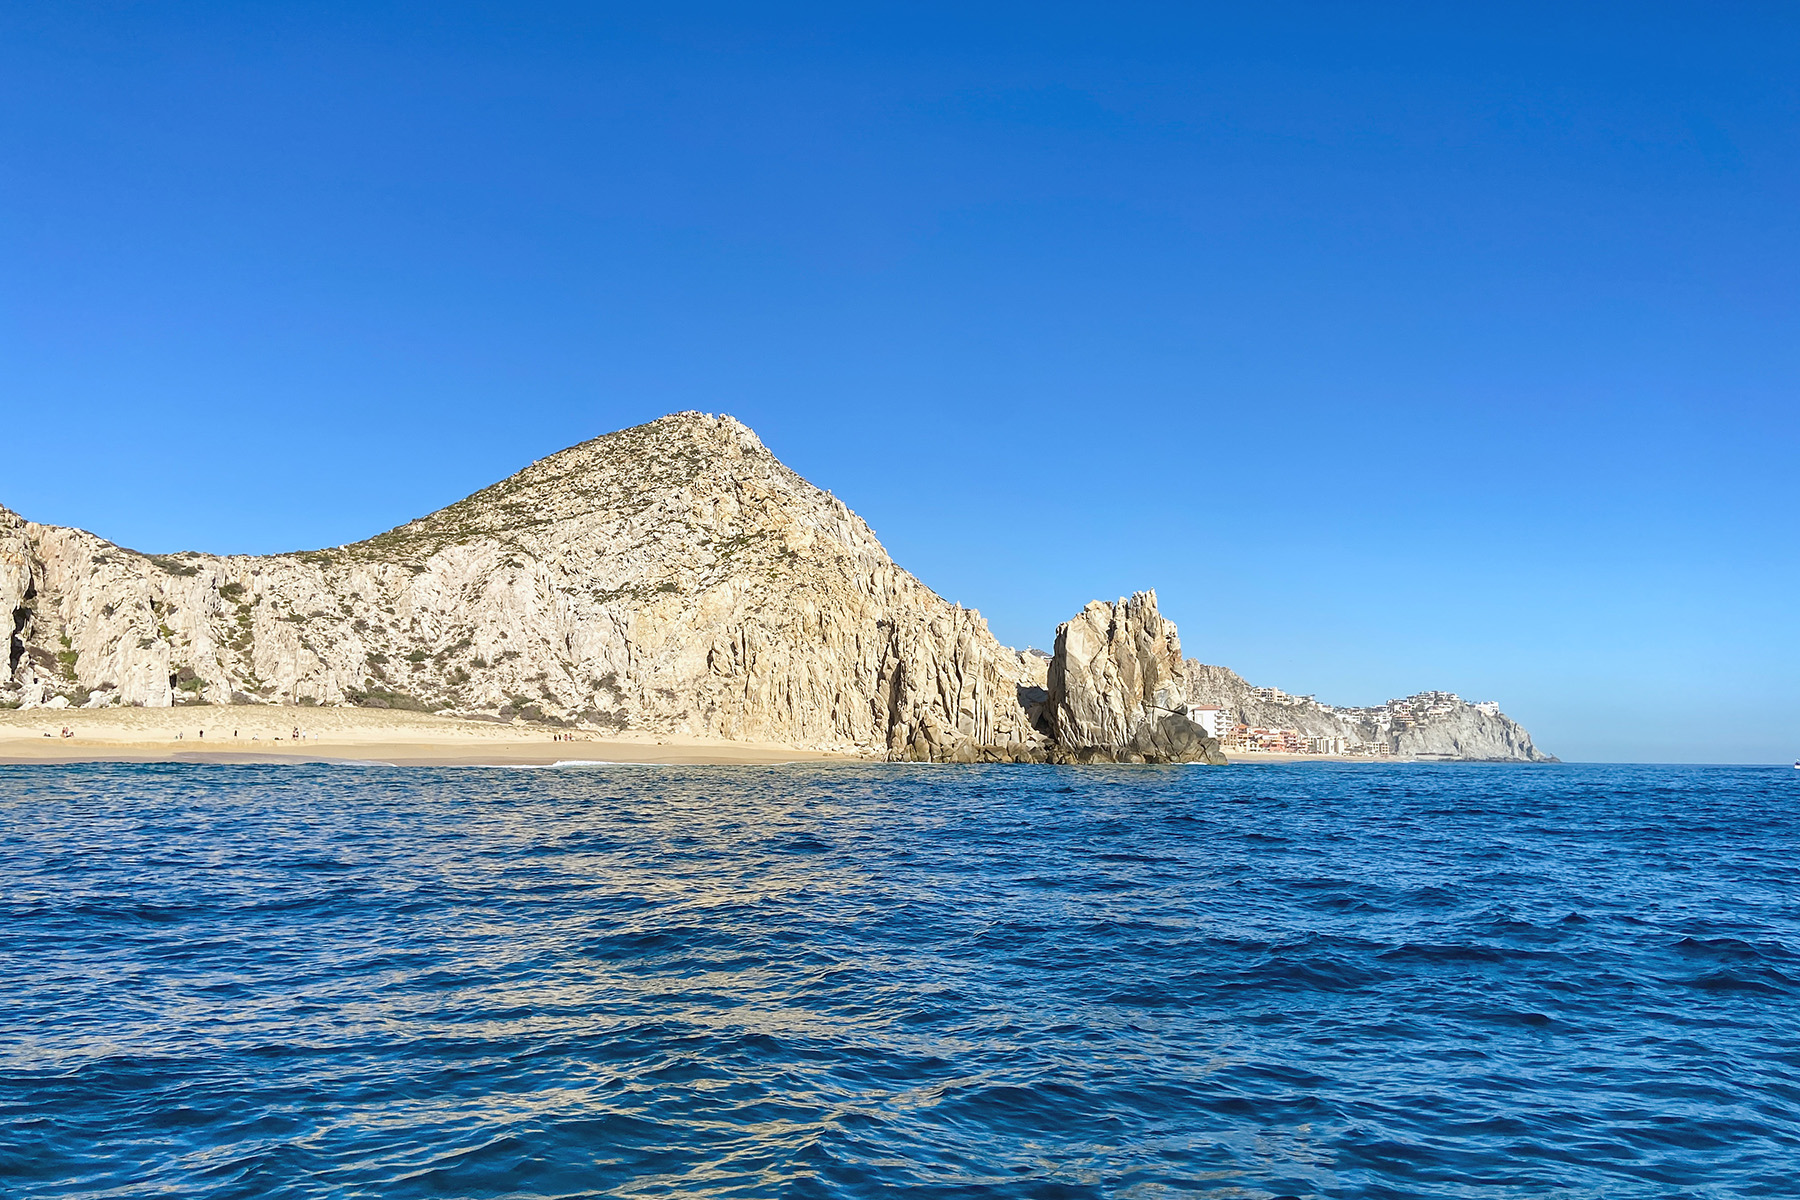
1425 725
672 578
1118 688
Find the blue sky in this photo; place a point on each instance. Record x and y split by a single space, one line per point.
1397 346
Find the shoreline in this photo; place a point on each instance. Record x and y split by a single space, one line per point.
264 734
1239 758
1270 756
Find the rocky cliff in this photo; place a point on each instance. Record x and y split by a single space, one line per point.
1117 688
671 578
1429 724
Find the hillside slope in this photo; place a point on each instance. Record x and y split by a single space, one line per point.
1429 724
673 577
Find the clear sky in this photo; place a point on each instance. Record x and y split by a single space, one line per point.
1397 346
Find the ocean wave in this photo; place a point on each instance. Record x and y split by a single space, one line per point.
531 982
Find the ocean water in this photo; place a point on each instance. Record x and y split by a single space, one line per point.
1336 981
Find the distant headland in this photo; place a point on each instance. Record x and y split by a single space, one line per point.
672 583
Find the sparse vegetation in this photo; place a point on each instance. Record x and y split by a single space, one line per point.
374 697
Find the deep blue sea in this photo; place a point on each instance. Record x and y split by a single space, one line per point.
1258 981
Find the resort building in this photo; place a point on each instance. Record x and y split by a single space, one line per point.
1209 717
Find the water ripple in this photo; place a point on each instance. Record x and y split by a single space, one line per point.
1457 981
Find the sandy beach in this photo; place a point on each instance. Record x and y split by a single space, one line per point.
265 733
257 733
1269 756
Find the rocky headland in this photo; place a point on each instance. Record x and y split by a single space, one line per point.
1426 725
669 579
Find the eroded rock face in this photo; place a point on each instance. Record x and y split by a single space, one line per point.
1118 688
672 578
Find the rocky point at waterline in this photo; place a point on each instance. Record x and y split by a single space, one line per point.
1117 688
673 578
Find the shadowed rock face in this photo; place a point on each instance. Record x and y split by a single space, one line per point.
1118 688
673 577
